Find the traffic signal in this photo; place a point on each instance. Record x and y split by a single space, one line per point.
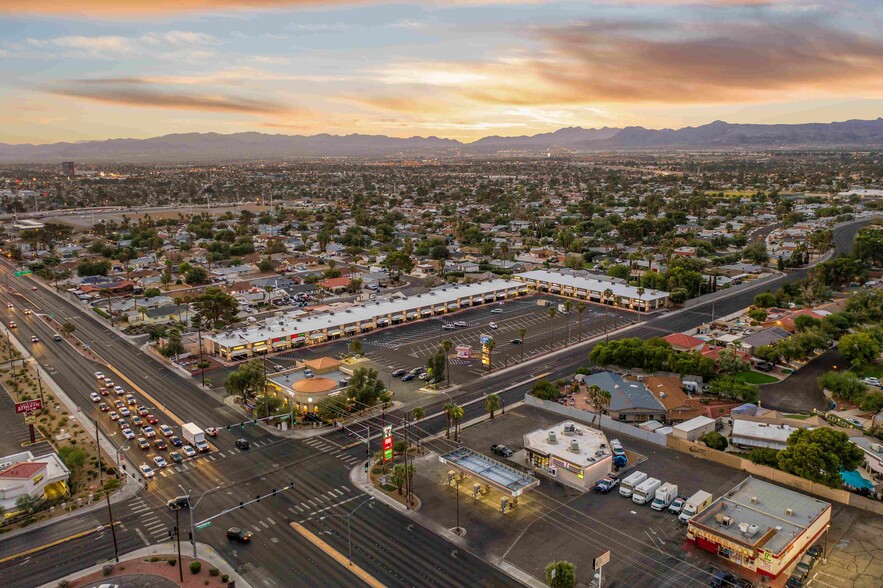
228 428
242 425
366 465
241 505
291 485
274 492
255 422
258 498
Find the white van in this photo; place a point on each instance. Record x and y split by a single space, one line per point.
694 505
628 485
645 491
665 494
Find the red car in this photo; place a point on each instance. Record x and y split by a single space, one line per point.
103 391
151 419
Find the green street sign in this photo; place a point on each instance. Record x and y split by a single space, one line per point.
23 273
204 525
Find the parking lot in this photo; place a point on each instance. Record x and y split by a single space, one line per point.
648 548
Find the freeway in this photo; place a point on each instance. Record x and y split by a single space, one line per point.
396 552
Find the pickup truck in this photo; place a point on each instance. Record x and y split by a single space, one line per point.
606 484
501 450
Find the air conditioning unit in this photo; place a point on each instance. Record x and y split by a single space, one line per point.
727 521
877 447
789 512
754 500
752 530
574 446
553 438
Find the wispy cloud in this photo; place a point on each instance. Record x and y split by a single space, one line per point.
174 45
407 23
143 93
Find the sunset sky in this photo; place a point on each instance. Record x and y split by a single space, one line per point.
73 70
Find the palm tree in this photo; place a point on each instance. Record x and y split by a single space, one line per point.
568 305
456 415
552 313
449 411
521 333
640 301
418 413
602 402
490 350
108 294
607 294
599 398
617 302
492 403
580 309
447 345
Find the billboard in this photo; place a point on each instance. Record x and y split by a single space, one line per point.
28 406
387 443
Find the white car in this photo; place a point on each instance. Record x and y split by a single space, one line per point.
148 431
108 383
497 311
872 381
99 376
460 324
27 311
146 470
188 451
94 397
9 305
492 325
166 430
125 412
160 461
128 434
118 390
448 327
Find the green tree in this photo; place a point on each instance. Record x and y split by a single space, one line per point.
398 263
399 476
492 403
757 314
448 409
730 387
767 353
266 404
93 268
561 574
26 503
196 275
804 322
68 328
446 346
580 309
355 346
365 387
843 385
266 265
859 349
730 362
217 308
600 399
545 390
764 300
756 253
72 456
174 345
714 440
819 455
152 292
764 456
456 416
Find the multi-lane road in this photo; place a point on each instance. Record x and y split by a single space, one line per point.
385 542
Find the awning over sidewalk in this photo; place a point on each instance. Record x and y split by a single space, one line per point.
499 475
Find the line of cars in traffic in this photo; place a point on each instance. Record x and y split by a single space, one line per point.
130 416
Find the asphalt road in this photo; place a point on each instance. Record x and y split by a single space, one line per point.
318 468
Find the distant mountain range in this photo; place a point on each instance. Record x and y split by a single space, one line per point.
215 147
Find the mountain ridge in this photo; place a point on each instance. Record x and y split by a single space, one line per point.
253 145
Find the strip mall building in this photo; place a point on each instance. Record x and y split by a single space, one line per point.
760 526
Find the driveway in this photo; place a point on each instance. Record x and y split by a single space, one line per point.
799 392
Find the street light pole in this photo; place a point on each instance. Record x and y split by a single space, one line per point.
457 530
113 533
191 506
349 536
178 537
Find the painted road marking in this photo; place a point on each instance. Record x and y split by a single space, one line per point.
54 543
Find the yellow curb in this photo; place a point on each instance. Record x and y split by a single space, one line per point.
54 543
337 556
150 398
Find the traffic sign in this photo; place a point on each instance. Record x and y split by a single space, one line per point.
28 406
204 525
601 560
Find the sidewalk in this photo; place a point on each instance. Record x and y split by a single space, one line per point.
207 555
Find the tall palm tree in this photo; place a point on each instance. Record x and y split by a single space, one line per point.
490 353
108 294
447 345
607 294
580 309
418 413
456 416
640 300
492 403
617 302
602 402
521 333
568 305
449 412
552 312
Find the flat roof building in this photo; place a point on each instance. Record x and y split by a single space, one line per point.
592 290
289 331
760 526
576 455
749 433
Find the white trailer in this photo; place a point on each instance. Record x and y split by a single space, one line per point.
628 485
694 505
665 494
645 491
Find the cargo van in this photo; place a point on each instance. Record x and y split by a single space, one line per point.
628 485
695 504
665 494
645 491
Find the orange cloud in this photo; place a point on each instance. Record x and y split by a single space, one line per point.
138 92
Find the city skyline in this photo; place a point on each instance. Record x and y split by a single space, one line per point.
85 70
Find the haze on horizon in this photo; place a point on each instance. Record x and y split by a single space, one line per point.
76 70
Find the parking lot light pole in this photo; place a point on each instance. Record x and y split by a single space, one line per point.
191 506
349 536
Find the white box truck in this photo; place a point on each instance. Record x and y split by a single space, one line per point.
192 434
628 485
645 491
694 505
665 494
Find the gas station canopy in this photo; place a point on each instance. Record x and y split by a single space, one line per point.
499 475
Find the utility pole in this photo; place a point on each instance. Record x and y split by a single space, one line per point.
407 447
113 533
178 537
349 535
39 383
457 530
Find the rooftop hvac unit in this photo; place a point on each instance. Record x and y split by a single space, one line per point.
877 447
743 528
662 394
752 530
574 445
720 518
728 520
553 438
640 378
569 428
754 500
789 512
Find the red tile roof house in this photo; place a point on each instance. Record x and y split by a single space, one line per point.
335 284
681 342
26 475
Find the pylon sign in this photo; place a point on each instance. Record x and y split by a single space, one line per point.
387 443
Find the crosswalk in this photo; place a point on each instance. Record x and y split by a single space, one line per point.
323 501
328 447
149 522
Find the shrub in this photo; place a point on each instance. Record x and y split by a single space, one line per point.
107 569
63 584
376 471
154 559
172 561
214 572
195 566
224 577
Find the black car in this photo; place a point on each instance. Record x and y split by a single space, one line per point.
242 444
501 450
399 373
515 342
722 579
181 502
237 534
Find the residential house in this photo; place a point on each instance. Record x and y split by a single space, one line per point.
679 407
769 336
682 342
629 401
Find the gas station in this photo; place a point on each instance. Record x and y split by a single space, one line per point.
487 473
